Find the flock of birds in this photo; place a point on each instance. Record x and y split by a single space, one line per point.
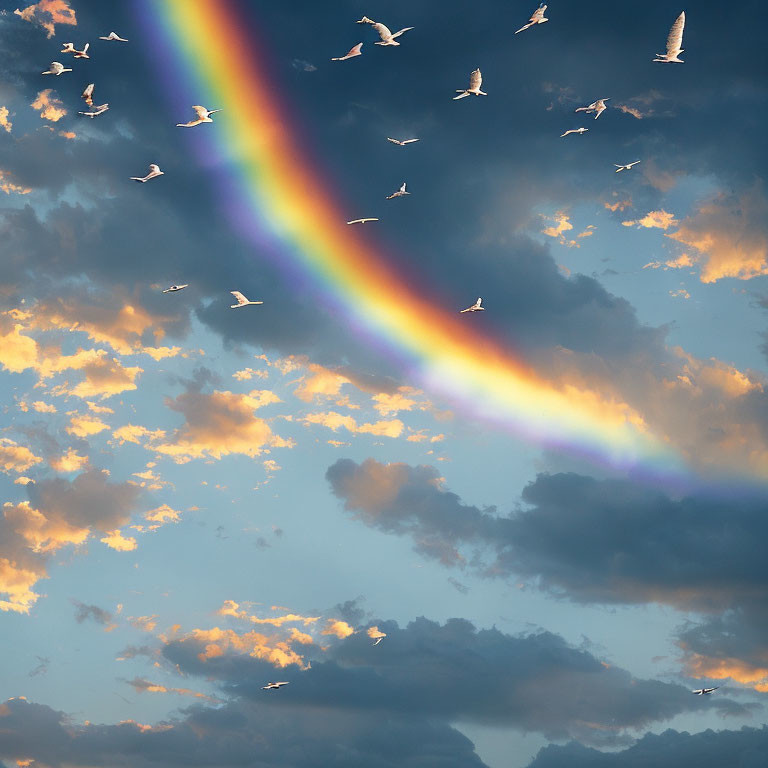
386 38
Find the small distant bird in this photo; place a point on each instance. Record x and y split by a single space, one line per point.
96 111
361 221
365 20
474 308
387 37
596 106
536 18
475 81
87 94
175 288
203 116
403 142
243 302
70 48
674 41
400 192
273 686
114 36
56 68
356 50
378 640
574 130
620 168
704 691
154 172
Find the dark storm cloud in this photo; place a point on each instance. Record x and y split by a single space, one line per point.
745 748
457 673
593 541
83 612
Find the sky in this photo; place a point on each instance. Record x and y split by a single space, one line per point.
516 538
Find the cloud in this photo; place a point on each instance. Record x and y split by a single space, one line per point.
5 121
728 236
10 187
71 461
84 612
48 13
50 107
115 540
16 458
654 220
85 426
562 224
334 420
140 685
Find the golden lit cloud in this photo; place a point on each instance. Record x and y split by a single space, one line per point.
10 187
48 13
71 461
162 515
16 584
132 433
322 383
402 400
49 106
84 426
334 421
561 225
16 458
711 668
619 205
338 628
116 540
654 220
5 120
146 686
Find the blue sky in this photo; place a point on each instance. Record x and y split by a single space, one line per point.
198 500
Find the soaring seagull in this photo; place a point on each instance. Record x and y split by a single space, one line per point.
403 142
626 167
154 172
242 301
273 686
476 307
355 50
536 18
203 116
598 107
361 221
704 691
87 94
70 48
475 81
400 192
175 288
674 41
56 68
387 37
112 36
96 111
574 130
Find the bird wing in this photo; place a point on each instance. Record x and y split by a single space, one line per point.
479 302
475 80
382 30
409 141
240 300
394 141
402 187
201 112
87 94
355 50
675 38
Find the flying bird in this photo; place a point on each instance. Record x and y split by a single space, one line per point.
203 116
273 686
242 301
377 640
387 37
87 94
536 18
113 36
175 288
70 48
154 172
96 111
620 168
400 192
704 691
475 81
596 106
56 68
674 41
574 130
361 221
403 142
356 50
474 308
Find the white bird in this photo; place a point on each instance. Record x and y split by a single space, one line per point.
70 48
620 168
704 691
400 192
96 111
154 172
574 130
114 36
361 221
387 37
203 116
355 50
596 106
273 686
674 41
175 288
378 640
365 20
536 18
474 308
403 142
243 302
475 81
56 68
87 94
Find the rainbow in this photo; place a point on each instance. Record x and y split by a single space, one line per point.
285 202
